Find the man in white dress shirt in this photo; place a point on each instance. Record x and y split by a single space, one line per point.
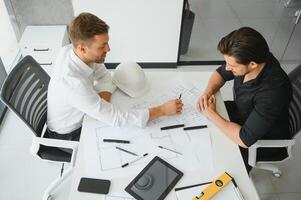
81 84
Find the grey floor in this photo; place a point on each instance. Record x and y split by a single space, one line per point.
216 18
23 176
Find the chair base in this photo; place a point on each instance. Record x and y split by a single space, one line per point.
270 167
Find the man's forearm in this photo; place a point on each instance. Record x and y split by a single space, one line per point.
215 82
229 128
106 96
155 112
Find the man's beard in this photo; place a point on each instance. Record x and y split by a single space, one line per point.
101 60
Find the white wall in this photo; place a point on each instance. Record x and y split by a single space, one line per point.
140 30
8 42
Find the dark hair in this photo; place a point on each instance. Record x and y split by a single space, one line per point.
85 26
245 45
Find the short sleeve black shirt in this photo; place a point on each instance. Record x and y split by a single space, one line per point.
262 103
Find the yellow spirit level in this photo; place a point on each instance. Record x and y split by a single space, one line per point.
214 187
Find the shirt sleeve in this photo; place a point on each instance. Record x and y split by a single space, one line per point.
269 105
103 79
86 100
227 75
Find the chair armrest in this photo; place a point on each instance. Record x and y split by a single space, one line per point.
273 143
268 144
55 143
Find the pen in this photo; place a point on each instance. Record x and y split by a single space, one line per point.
172 127
117 141
62 170
194 127
170 150
180 96
126 164
121 149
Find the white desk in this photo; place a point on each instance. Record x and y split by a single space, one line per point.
226 155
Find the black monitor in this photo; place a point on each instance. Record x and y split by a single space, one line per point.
3 75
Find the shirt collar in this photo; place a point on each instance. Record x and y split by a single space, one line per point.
262 74
265 71
82 67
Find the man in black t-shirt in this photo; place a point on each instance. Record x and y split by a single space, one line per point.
262 93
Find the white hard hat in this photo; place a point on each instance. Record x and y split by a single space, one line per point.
130 78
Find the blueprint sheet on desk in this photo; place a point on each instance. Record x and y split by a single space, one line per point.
105 161
161 93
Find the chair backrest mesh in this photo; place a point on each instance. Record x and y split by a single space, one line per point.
295 105
25 92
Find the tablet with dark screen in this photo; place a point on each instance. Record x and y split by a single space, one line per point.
155 181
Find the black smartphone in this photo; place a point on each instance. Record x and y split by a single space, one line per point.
92 185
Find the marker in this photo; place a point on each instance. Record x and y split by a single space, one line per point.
129 152
117 141
62 170
126 164
170 150
194 127
172 127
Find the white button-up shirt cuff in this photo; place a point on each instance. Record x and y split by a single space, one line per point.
105 87
144 117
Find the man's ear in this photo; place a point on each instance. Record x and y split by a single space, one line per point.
253 65
81 48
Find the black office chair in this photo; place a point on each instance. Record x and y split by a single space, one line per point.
295 129
24 91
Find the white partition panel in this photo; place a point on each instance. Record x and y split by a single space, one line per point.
140 30
9 45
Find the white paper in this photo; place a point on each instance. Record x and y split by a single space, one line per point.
195 147
110 197
103 160
157 95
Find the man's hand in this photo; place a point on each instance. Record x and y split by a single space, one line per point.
203 101
172 107
229 128
216 81
169 108
211 106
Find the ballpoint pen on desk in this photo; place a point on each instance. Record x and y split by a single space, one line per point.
62 170
127 151
128 163
172 127
169 150
194 127
117 141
